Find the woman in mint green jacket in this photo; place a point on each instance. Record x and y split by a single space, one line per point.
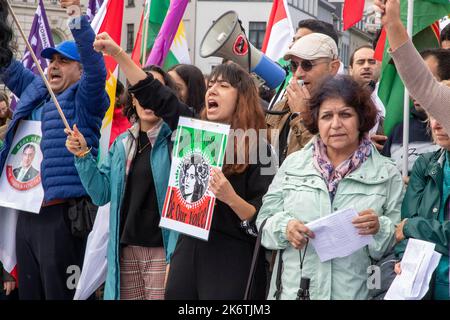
139 252
338 169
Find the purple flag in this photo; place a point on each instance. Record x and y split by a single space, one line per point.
92 8
167 32
40 38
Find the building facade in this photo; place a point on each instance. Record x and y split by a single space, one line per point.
200 15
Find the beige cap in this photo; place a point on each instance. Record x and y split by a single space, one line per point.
313 46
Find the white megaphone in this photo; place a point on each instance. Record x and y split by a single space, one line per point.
226 39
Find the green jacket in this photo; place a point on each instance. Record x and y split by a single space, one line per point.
298 191
424 205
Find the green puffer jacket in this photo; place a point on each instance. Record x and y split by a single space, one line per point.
424 206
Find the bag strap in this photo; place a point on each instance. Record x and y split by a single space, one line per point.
254 261
277 293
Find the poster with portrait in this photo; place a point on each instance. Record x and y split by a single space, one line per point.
199 146
20 182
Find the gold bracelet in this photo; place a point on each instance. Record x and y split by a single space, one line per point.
118 52
84 154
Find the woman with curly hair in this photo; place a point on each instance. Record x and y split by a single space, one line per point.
338 169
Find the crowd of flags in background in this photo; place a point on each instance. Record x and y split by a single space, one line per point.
161 40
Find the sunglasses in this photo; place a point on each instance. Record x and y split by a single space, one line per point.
306 65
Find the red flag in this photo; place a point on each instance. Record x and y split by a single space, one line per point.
379 50
279 31
353 12
136 54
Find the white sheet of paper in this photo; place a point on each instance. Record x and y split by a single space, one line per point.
418 264
336 236
435 258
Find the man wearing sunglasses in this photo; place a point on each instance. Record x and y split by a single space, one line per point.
312 58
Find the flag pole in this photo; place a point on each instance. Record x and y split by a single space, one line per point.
38 66
409 29
146 21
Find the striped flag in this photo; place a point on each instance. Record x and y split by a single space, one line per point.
93 7
137 49
40 38
169 29
109 19
425 35
279 31
352 12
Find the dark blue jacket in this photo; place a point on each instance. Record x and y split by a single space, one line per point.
83 103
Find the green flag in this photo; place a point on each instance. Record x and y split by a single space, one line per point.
155 12
425 35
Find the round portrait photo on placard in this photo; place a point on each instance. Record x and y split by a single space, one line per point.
22 167
193 177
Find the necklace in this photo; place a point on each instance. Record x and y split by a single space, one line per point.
143 148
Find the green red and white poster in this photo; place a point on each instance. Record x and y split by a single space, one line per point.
189 204
20 181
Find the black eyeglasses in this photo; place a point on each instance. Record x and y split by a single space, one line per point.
306 65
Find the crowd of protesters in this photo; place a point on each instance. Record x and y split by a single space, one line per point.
324 132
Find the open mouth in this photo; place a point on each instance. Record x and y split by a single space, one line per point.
55 77
212 104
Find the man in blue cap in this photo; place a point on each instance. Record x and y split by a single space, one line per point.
47 249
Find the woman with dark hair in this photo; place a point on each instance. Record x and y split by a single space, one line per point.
338 169
191 85
5 115
193 178
218 268
134 178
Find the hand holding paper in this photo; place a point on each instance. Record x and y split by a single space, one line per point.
417 266
336 236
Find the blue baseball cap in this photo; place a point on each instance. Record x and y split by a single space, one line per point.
67 49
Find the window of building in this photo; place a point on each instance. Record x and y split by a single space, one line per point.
130 37
57 36
256 33
130 3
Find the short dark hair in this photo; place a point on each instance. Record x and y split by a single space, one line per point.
195 83
354 95
319 26
352 57
443 58
29 146
129 111
445 34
